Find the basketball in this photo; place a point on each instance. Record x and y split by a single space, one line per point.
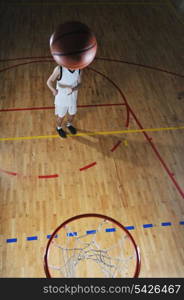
73 45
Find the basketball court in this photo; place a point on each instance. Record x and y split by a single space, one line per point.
125 162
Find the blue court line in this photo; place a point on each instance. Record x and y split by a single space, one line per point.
71 234
49 235
166 224
91 232
33 238
11 240
147 225
129 227
110 229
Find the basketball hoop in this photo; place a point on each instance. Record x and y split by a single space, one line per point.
91 245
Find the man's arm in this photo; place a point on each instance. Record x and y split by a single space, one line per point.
65 85
52 79
79 83
76 87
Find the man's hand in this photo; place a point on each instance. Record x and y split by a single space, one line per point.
77 86
55 92
70 91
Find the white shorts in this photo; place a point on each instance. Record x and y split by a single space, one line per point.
61 111
65 103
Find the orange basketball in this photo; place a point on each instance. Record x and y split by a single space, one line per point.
73 45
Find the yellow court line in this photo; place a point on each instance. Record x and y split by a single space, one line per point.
95 133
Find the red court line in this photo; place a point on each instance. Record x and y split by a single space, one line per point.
26 108
105 104
169 172
115 146
22 64
88 166
52 107
22 58
40 176
8 172
129 110
48 176
140 65
96 58
149 139
120 91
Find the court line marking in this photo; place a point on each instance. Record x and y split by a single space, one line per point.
88 166
129 111
147 225
32 238
95 133
11 240
52 107
139 124
166 223
71 234
43 60
115 146
47 176
138 65
108 230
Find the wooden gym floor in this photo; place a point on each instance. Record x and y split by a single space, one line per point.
133 176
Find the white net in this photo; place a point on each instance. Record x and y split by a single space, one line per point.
102 251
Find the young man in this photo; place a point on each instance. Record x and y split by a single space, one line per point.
65 92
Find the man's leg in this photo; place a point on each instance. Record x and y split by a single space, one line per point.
70 118
59 123
60 113
69 125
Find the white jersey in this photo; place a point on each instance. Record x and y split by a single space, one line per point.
70 78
